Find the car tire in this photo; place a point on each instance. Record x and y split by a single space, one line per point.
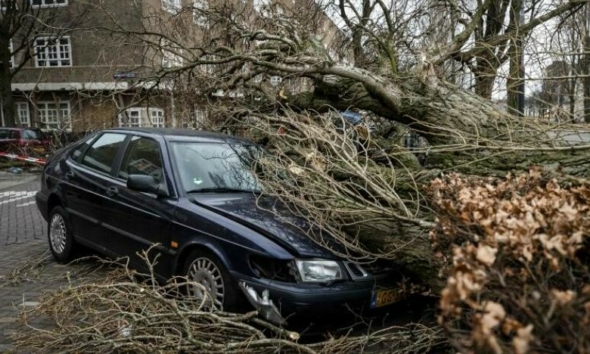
204 267
60 237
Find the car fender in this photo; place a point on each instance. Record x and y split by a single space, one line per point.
200 242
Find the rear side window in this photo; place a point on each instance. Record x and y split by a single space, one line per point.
4 133
101 154
32 135
14 134
142 158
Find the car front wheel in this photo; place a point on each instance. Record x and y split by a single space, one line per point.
61 241
204 268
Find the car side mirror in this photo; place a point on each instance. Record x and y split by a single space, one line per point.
147 184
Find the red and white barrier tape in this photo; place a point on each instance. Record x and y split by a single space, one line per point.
24 158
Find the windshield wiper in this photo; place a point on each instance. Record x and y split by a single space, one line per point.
222 190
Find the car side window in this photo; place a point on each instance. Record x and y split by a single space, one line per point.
77 153
4 133
142 158
101 154
32 135
14 134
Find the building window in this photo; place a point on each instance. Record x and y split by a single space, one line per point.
200 16
172 6
156 117
142 117
197 121
49 3
130 118
53 52
171 55
55 115
24 115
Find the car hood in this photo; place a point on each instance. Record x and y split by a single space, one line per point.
269 217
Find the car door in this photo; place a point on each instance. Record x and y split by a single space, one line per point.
136 220
85 174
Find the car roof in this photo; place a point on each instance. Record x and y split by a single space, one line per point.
16 128
179 133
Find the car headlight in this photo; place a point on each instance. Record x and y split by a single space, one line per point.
318 271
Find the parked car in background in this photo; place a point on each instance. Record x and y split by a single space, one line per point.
193 196
27 141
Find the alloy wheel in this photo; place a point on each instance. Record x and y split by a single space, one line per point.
57 233
204 271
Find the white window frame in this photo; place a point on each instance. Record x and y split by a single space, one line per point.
142 117
126 118
171 55
172 6
63 123
23 113
199 18
156 117
45 5
46 51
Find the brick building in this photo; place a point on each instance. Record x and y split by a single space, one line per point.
95 76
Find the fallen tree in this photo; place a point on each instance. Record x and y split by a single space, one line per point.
365 189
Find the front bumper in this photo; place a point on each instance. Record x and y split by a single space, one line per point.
304 299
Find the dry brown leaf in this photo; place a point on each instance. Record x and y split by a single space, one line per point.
486 254
523 339
563 297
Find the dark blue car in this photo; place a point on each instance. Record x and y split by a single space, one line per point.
193 198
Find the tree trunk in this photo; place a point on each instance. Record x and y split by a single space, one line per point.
514 83
8 109
484 81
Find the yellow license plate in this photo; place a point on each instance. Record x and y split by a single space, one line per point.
39 149
384 297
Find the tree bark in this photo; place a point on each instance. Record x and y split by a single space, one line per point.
8 109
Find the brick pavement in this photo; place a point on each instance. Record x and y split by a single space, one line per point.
27 269
20 221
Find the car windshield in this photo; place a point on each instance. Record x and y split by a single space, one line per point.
216 167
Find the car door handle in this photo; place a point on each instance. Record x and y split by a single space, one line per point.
112 191
70 175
